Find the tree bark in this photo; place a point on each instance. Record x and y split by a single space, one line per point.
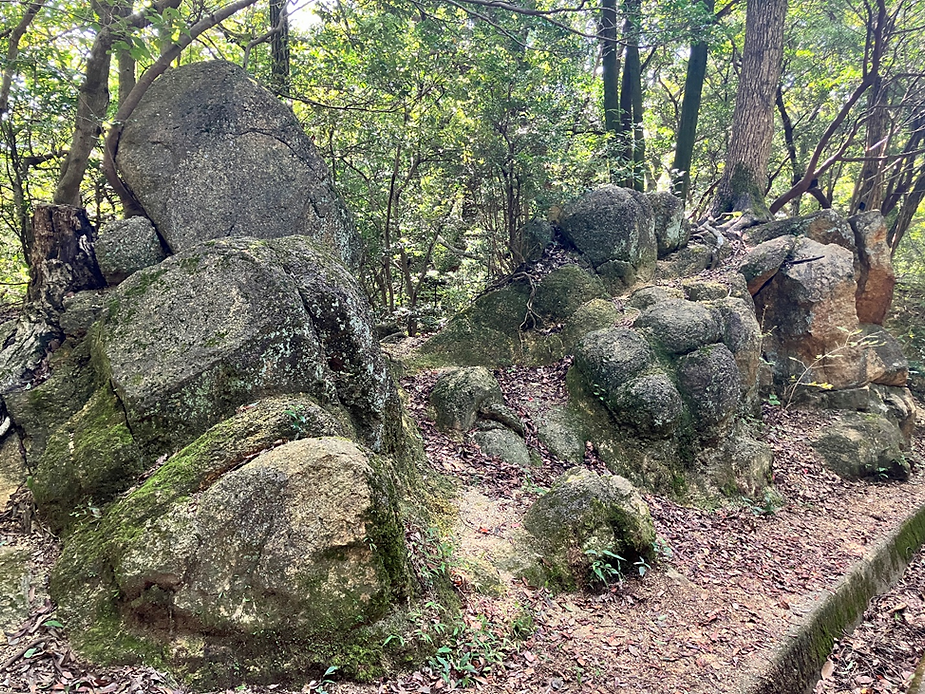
742 187
610 65
631 99
690 114
279 46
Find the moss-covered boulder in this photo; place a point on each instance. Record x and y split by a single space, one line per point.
459 395
608 359
586 517
243 559
504 444
863 446
709 379
212 328
597 314
613 223
672 230
650 404
680 326
560 293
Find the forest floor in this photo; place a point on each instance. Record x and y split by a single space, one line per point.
728 583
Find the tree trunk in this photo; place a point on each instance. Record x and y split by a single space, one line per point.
631 99
690 113
60 255
870 189
279 46
610 64
742 187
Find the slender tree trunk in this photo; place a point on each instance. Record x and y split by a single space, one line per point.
690 113
631 100
870 189
911 202
742 187
610 65
279 46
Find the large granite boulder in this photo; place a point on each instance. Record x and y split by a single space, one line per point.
709 378
613 224
187 342
863 445
460 394
672 230
825 226
681 326
560 293
126 246
209 154
243 557
609 358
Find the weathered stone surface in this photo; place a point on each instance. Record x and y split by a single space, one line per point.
81 311
617 275
503 415
499 442
742 335
883 357
897 405
458 395
698 289
15 580
710 381
209 154
644 297
686 262
487 333
858 446
126 246
740 465
608 359
764 260
279 564
562 433
672 230
613 223
650 404
825 226
597 314
809 308
13 472
217 326
538 233
681 326
560 293
583 515
876 279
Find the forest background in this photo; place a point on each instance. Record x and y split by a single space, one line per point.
450 125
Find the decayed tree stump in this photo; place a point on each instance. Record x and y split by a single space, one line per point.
60 255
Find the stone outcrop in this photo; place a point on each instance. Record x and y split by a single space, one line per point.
876 278
126 246
209 154
864 445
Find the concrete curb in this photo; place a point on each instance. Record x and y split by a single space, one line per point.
795 666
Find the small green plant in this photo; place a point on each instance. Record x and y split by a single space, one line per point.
661 548
299 422
642 566
606 567
773 400
320 686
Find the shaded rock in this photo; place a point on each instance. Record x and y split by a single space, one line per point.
126 246
215 327
487 333
876 279
458 395
15 581
686 262
13 472
597 314
681 326
560 293
697 289
825 226
883 356
582 516
858 446
645 297
897 405
209 153
504 444
740 465
613 223
38 411
492 411
742 335
608 359
709 379
809 309
650 404
562 433
81 311
279 565
764 260
617 275
537 234
672 230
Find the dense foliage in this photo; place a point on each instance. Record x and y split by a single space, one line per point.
450 124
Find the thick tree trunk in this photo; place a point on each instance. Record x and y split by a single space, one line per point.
279 46
871 184
690 113
60 255
631 100
742 187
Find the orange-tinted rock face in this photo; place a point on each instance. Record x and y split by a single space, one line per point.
876 280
